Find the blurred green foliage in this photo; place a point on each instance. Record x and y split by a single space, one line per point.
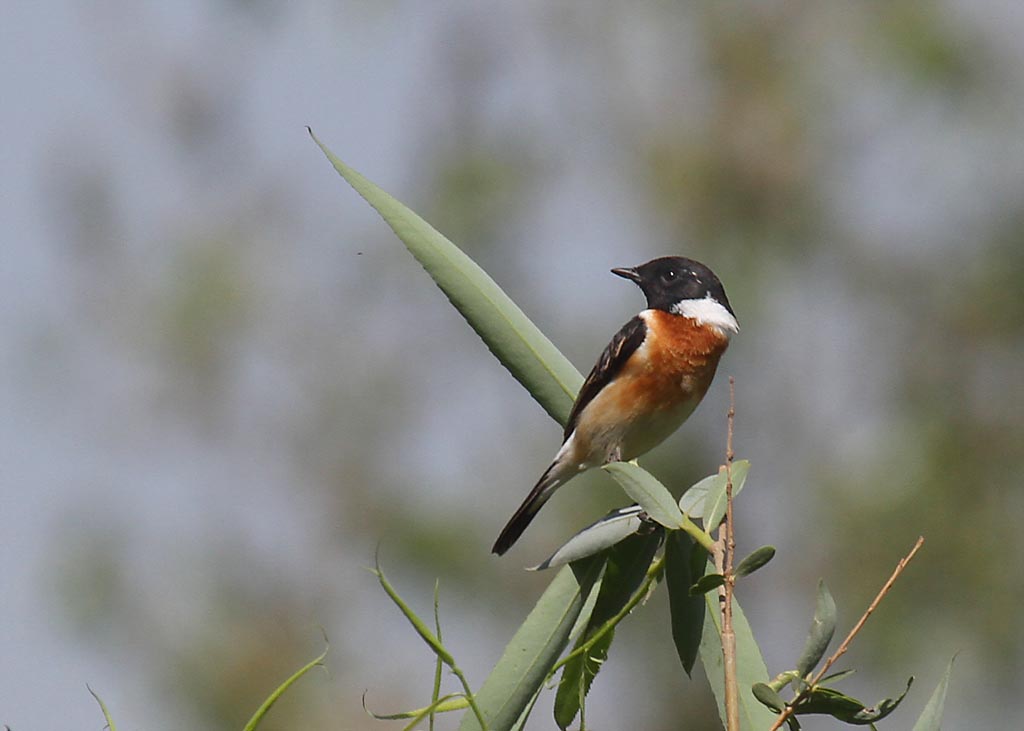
748 136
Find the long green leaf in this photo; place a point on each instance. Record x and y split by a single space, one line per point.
441 704
681 572
823 626
648 493
625 571
524 665
520 346
931 717
749 663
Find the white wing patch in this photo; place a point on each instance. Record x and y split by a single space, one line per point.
708 311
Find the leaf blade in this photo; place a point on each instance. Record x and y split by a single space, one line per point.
625 570
647 492
750 664
509 334
931 717
756 560
514 681
715 502
823 627
686 610
279 691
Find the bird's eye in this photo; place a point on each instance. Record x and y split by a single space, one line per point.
668 276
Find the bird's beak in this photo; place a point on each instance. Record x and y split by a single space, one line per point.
627 273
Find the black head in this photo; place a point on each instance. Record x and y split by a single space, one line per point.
671 279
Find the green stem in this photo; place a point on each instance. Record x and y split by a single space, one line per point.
698 534
653 575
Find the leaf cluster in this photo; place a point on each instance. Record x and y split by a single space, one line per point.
612 566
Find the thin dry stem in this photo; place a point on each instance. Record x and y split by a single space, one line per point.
788 711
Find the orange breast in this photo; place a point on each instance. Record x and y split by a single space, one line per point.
657 389
679 363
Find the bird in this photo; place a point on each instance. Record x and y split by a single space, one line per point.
647 381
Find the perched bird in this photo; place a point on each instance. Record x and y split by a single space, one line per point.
647 381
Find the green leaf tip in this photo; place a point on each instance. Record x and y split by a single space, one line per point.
931 717
103 707
823 627
506 331
828 701
265 707
768 697
684 565
648 493
755 560
707 583
715 500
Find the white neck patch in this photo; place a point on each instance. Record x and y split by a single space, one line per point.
708 311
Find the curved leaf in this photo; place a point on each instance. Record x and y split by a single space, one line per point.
715 502
829 701
609 530
648 492
693 500
520 346
624 573
279 691
768 696
823 626
103 707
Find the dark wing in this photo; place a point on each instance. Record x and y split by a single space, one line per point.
623 345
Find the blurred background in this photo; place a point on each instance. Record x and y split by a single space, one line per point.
225 384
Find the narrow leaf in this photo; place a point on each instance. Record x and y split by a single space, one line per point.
883 708
520 346
519 674
931 717
577 675
687 610
435 694
715 502
833 678
625 571
706 583
103 707
749 662
831 702
272 699
609 530
648 493
421 629
693 500
443 704
515 341
823 626
755 560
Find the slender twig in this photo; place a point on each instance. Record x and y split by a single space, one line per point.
728 540
790 708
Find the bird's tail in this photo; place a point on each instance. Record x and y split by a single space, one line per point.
550 481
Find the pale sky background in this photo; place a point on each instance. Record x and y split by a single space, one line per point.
132 133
